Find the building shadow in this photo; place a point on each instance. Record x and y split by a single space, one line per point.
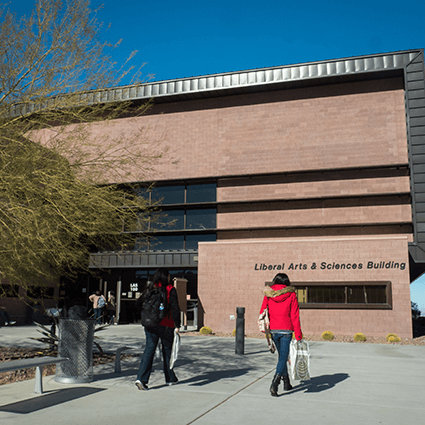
49 399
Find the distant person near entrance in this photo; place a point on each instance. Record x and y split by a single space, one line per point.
99 304
160 313
112 308
5 317
282 303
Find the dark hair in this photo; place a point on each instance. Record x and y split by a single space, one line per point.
161 275
98 293
281 279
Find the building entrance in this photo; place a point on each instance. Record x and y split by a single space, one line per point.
129 284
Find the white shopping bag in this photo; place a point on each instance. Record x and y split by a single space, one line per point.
299 364
175 349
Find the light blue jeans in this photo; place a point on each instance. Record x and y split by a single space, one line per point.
282 341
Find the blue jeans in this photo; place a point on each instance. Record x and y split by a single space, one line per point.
97 314
282 342
153 335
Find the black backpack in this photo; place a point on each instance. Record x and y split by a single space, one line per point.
154 306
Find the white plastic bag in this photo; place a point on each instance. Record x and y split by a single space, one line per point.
264 321
299 364
175 349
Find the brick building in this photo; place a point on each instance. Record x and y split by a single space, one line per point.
313 169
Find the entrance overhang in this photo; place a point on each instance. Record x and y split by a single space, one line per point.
137 259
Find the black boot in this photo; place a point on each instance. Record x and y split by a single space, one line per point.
275 385
286 384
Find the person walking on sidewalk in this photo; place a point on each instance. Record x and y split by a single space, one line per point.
282 303
164 331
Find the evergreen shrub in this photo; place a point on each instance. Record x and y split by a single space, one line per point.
359 336
393 338
328 336
205 330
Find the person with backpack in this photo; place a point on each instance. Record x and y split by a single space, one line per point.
160 313
99 303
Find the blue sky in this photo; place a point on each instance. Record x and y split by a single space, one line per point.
186 38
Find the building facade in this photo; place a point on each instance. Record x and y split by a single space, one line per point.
315 170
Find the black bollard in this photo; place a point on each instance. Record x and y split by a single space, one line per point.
240 330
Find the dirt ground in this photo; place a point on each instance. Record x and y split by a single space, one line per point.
14 353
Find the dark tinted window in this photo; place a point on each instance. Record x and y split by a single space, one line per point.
192 240
201 219
40 292
143 193
197 193
168 220
7 290
355 294
167 242
376 294
168 195
141 244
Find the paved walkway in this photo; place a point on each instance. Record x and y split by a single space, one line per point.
352 384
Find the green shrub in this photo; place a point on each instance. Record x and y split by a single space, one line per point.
393 338
328 336
205 330
359 336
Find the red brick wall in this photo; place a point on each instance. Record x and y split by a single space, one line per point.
344 125
228 279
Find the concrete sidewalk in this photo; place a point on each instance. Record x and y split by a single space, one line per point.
351 384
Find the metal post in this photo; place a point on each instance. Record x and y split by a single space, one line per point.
195 316
118 302
240 330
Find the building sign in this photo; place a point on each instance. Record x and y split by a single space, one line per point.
369 265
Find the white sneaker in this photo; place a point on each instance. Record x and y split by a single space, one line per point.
141 385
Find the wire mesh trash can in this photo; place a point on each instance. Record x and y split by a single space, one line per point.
76 343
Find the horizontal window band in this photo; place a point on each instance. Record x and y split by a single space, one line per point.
337 230
397 170
342 306
314 203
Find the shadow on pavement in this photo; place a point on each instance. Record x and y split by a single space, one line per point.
49 399
321 383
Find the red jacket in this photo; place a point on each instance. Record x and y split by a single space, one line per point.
172 318
283 307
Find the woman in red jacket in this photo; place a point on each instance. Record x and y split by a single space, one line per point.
283 308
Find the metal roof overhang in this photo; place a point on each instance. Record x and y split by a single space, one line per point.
258 79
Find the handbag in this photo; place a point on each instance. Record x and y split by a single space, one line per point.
299 360
175 349
264 321
264 326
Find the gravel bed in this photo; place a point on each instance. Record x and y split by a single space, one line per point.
337 338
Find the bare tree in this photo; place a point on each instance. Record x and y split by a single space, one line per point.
55 205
